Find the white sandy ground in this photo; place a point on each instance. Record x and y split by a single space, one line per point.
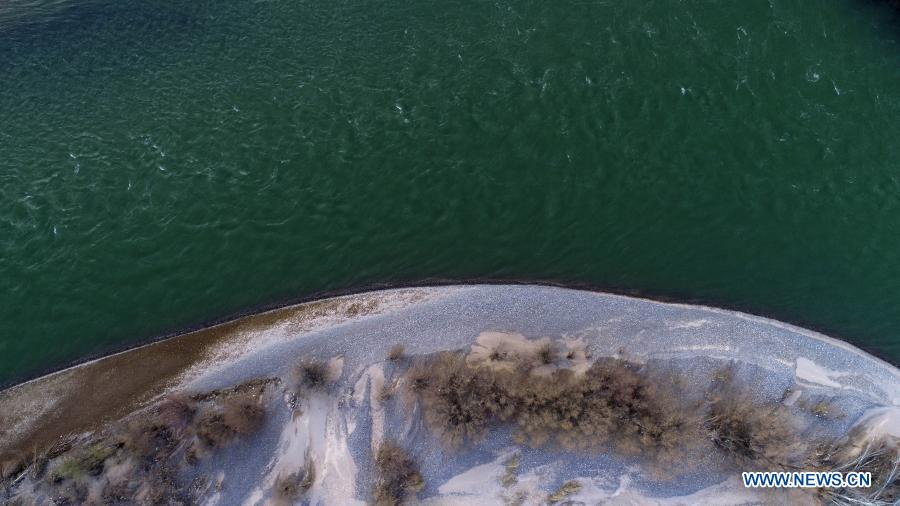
320 434
806 368
246 343
481 485
809 371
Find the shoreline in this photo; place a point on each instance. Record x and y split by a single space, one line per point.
775 357
83 396
285 304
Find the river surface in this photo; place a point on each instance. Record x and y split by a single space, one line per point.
164 164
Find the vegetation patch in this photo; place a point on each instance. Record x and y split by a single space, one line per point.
757 435
243 414
565 490
551 394
511 469
311 375
397 476
396 352
137 459
612 404
859 452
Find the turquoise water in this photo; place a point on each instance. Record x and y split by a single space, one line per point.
168 163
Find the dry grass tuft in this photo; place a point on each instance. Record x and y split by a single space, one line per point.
418 378
387 390
565 490
396 352
397 476
546 354
511 469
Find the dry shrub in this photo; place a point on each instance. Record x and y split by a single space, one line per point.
244 414
224 419
119 492
499 354
860 452
459 402
415 382
309 474
286 488
212 431
612 404
215 418
160 487
757 435
546 354
311 375
176 410
397 475
71 492
147 438
198 488
225 416
396 352
418 378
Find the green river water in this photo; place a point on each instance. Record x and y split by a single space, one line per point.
164 164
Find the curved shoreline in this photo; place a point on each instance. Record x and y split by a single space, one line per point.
175 358
83 396
355 332
261 309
